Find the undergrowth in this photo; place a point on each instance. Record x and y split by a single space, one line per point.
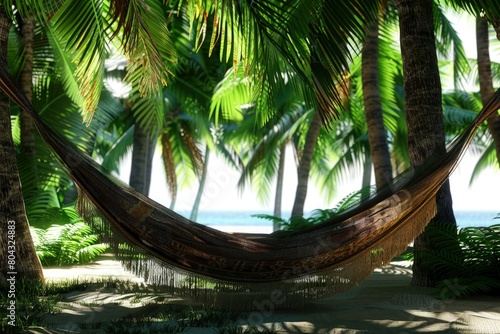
472 267
72 243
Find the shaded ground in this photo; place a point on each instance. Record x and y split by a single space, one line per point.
384 303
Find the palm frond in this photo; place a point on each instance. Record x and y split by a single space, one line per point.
148 111
119 147
318 215
459 109
90 249
352 199
65 67
146 42
260 35
390 70
233 92
263 156
495 70
41 10
15 52
487 8
447 38
81 27
54 105
230 155
486 160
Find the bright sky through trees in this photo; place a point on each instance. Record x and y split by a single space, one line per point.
221 192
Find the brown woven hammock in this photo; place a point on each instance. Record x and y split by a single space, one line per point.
241 270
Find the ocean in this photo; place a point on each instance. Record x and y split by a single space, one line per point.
244 221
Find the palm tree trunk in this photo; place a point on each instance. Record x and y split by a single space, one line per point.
423 111
486 80
142 160
203 179
305 165
373 108
367 169
174 199
17 252
278 198
496 26
26 83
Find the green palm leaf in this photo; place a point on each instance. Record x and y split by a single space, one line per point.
181 156
147 44
65 67
487 8
447 38
486 160
230 94
81 27
67 244
41 10
260 35
459 109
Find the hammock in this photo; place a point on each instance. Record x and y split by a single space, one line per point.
246 270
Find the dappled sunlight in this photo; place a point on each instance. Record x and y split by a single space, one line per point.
400 268
384 303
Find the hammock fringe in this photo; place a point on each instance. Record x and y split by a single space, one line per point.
286 293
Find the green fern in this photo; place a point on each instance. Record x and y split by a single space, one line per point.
66 244
317 216
473 267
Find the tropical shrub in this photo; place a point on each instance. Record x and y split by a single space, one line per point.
317 216
66 244
473 267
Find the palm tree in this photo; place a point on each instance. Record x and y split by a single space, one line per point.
377 133
90 58
446 39
142 159
305 165
423 109
259 35
264 145
25 81
16 239
485 79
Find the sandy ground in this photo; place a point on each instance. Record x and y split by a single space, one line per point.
385 303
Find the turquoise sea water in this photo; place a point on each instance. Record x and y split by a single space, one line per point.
477 218
245 222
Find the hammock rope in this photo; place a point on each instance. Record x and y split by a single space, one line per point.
240 270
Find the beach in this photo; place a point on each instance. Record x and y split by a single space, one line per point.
385 303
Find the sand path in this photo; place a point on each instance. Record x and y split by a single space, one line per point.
385 303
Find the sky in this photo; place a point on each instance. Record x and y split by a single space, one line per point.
221 193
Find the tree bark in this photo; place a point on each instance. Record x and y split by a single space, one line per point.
373 107
142 160
305 165
21 259
203 179
423 110
496 25
26 83
486 80
278 198
367 169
